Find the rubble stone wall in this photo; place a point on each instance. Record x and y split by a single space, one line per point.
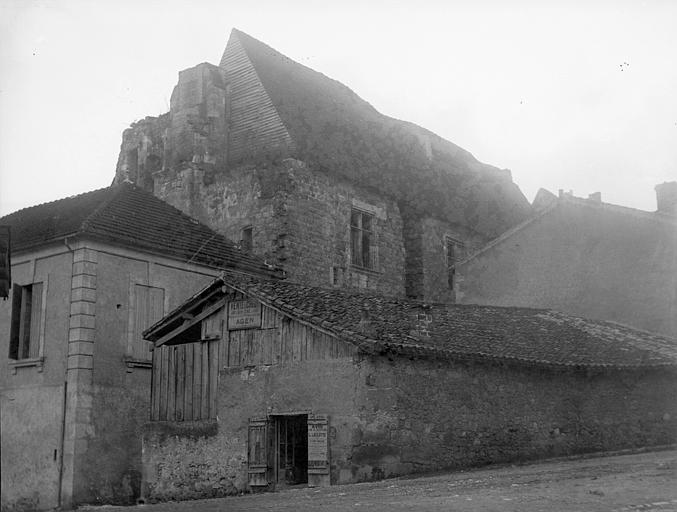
402 416
300 221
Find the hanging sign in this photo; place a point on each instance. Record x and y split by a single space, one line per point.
244 314
318 452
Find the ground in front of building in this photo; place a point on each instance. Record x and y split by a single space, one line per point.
636 482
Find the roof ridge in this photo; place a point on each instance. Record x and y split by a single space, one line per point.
39 205
86 223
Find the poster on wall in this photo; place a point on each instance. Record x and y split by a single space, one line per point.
318 445
244 314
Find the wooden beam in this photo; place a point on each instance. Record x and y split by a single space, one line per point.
189 323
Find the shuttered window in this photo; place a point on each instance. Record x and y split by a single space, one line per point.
148 307
26 321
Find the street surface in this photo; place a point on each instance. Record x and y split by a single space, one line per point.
645 482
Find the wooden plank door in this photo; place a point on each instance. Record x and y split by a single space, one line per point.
258 451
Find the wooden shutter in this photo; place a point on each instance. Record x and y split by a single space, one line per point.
148 309
258 451
140 319
16 322
36 317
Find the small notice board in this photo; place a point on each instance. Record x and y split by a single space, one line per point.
318 452
244 314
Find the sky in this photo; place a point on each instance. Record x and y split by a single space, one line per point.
568 95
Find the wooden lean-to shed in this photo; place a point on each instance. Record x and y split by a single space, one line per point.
265 384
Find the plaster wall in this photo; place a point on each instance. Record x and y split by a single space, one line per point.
110 467
31 397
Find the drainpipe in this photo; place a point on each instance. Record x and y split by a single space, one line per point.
64 402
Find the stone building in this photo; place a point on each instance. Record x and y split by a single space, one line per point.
89 273
305 386
584 257
296 166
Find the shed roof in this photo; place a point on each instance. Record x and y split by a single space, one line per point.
127 215
335 130
379 324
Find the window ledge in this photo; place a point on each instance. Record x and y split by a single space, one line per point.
138 363
38 362
364 270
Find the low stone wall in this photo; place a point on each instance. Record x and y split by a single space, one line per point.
401 416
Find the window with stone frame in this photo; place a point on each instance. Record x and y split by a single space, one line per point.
26 321
455 251
362 239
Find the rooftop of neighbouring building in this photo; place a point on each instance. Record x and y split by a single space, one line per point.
383 325
129 216
545 203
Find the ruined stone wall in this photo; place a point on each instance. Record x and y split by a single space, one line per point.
592 260
319 248
300 221
427 269
389 418
142 151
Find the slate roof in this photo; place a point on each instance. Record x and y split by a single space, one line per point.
335 130
127 215
520 335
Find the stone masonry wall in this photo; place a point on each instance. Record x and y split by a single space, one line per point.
426 255
300 221
430 415
390 418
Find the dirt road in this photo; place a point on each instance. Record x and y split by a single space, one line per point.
644 482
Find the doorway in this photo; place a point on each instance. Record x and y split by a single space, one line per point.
291 454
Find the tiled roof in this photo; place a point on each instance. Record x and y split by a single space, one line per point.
522 335
127 215
335 130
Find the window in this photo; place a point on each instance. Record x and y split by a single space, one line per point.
148 308
362 246
247 239
455 251
26 319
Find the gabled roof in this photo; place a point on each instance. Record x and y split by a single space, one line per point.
324 123
546 203
127 215
383 325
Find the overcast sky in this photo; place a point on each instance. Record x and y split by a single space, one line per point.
571 95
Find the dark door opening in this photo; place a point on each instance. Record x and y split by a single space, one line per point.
291 436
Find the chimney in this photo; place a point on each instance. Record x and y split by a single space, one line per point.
595 197
666 198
